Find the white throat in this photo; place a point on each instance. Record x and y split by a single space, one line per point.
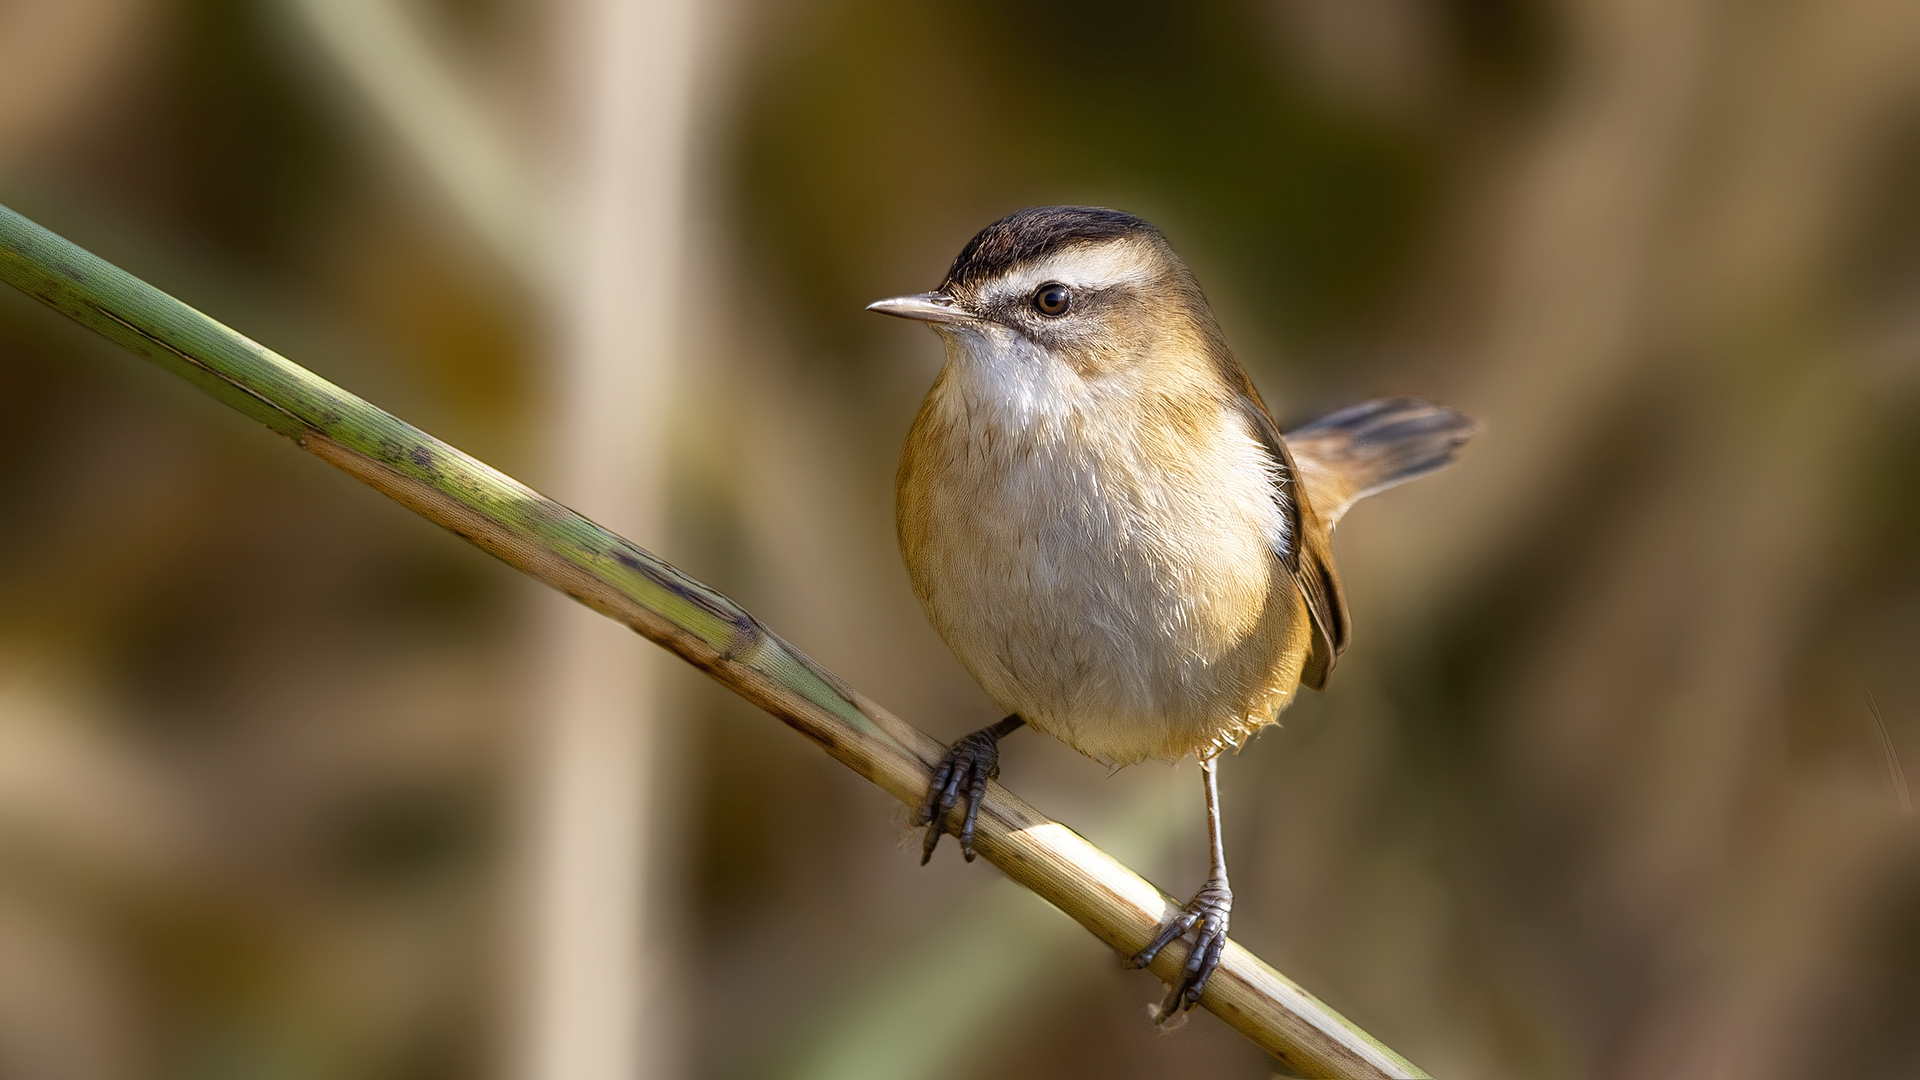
1003 380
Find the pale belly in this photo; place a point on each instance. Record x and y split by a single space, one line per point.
1128 612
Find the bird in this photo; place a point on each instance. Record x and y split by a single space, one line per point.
1102 520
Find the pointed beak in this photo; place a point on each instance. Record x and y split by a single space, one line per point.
930 307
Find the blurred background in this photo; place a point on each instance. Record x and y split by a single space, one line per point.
294 785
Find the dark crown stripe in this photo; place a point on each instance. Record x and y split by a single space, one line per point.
1029 234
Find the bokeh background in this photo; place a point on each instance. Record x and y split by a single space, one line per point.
1608 785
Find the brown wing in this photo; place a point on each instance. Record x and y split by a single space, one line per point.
1332 463
1309 554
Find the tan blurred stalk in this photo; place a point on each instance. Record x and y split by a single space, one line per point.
599 1006
592 1000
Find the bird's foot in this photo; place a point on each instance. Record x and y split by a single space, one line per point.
1209 911
965 770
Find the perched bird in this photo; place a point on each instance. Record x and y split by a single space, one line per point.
1105 525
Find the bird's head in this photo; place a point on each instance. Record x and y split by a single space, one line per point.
1094 291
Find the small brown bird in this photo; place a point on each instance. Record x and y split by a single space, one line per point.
1105 525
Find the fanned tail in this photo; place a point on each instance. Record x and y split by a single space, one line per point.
1367 448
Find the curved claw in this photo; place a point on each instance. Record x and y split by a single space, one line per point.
957 766
1210 910
934 790
976 794
964 771
1202 962
1168 935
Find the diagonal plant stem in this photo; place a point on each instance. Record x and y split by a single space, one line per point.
553 544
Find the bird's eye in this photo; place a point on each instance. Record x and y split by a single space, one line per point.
1052 299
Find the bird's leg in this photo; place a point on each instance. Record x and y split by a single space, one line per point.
965 770
1209 910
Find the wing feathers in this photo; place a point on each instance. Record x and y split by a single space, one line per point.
1329 465
1309 553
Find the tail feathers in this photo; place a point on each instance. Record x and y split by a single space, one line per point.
1367 448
